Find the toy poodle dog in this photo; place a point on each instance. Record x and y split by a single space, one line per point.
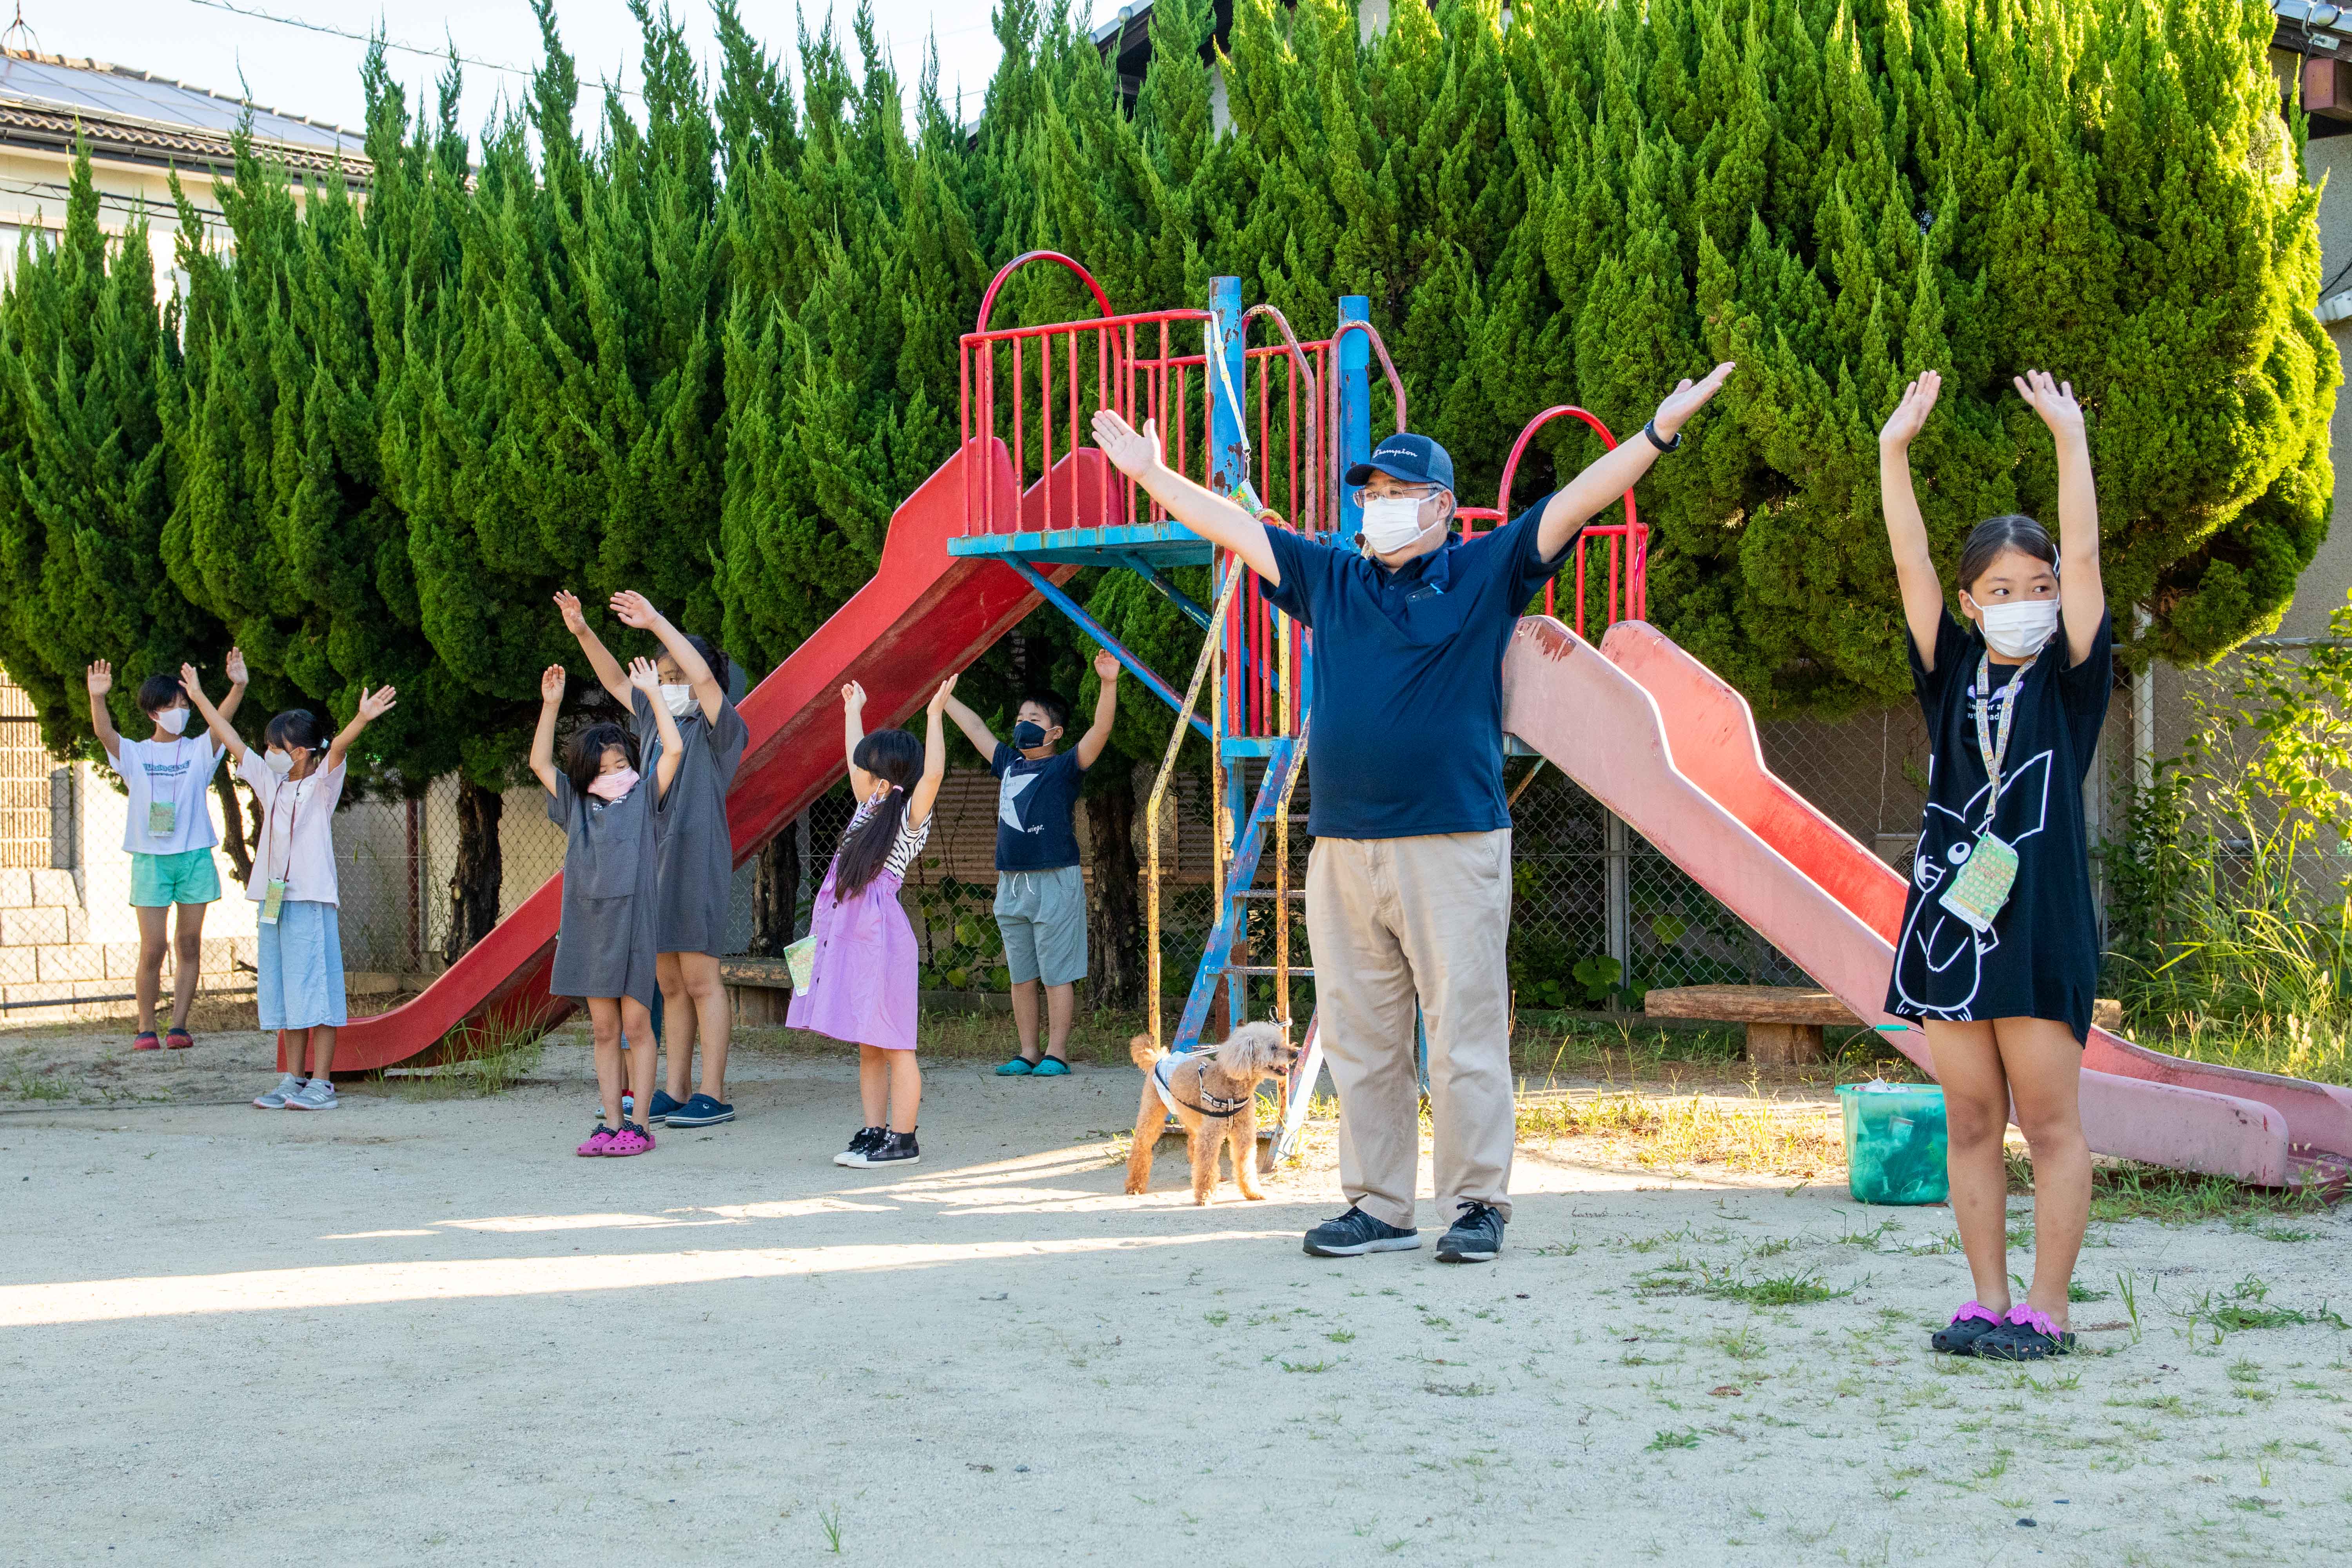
1213 1092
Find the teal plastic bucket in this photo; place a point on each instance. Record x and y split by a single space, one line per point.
1894 1142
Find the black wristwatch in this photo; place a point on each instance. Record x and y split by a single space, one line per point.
1651 430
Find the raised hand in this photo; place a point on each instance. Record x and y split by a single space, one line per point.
99 679
2053 400
1107 667
1903 425
234 664
1688 398
635 609
573 621
939 698
644 677
1131 452
374 705
551 684
853 696
190 684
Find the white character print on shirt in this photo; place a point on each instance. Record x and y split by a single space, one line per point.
1940 959
1008 796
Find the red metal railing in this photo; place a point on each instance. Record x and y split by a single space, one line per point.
1628 579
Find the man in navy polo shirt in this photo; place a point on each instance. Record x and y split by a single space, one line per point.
1408 883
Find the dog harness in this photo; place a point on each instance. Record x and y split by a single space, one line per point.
1218 1106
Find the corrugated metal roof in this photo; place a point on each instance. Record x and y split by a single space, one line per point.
46 98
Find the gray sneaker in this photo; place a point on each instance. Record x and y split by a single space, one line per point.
319 1094
287 1088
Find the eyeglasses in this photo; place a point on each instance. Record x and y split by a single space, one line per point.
1363 493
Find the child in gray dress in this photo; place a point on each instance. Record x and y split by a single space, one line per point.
612 820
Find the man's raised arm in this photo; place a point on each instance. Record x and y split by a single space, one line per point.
1136 454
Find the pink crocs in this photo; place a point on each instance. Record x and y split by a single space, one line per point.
631 1139
599 1142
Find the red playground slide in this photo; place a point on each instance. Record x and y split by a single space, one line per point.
1660 740
925 614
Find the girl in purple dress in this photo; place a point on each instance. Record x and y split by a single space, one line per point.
863 986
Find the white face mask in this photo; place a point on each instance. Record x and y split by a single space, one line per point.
280 762
1394 523
2019 630
173 720
677 699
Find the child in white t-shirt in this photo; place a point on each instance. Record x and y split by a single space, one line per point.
168 833
296 783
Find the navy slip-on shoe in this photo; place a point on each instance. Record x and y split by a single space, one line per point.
701 1111
662 1106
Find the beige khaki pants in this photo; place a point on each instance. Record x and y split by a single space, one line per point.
1393 919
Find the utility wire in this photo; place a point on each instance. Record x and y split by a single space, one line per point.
442 53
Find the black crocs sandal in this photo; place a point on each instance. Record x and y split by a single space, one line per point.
2025 1335
1969 1324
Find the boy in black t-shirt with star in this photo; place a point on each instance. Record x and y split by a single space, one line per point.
1041 894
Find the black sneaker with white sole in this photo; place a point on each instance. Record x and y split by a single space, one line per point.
1356 1233
867 1140
1475 1237
895 1149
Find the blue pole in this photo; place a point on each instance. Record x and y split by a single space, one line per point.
1355 434
1227 468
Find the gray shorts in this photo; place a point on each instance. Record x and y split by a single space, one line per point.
1043 915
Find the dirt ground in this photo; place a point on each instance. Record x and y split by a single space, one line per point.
417 1330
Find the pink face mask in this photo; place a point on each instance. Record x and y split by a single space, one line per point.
614 785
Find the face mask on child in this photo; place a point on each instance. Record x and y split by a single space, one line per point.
1028 736
677 699
173 720
1394 523
2020 630
280 762
615 785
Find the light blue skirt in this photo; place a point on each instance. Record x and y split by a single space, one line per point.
300 984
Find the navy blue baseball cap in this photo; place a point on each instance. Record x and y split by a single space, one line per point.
1415 459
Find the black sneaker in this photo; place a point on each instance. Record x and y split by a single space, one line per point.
894 1149
1355 1233
1475 1237
867 1140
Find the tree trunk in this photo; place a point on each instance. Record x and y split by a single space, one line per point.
474 885
776 893
1116 921
233 840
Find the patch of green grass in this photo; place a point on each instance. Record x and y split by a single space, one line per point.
20 1080
1722 1284
2286 1233
1685 1439
2247 1306
1308 1365
473 1062
2077 1292
1473 1390
2122 1190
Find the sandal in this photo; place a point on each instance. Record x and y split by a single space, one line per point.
2025 1335
1050 1066
178 1039
1019 1067
1969 1324
146 1041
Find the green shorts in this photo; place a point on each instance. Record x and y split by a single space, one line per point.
187 877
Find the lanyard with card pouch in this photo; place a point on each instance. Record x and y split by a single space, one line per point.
1983 884
164 815
273 894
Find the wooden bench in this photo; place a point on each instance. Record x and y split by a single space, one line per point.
1785 1022
759 990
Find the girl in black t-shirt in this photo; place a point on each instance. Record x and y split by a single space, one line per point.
1998 957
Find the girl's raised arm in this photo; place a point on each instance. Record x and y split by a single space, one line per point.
99 679
373 705
635 610
2081 598
542 739
601 662
642 676
935 756
853 730
224 736
1906 533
